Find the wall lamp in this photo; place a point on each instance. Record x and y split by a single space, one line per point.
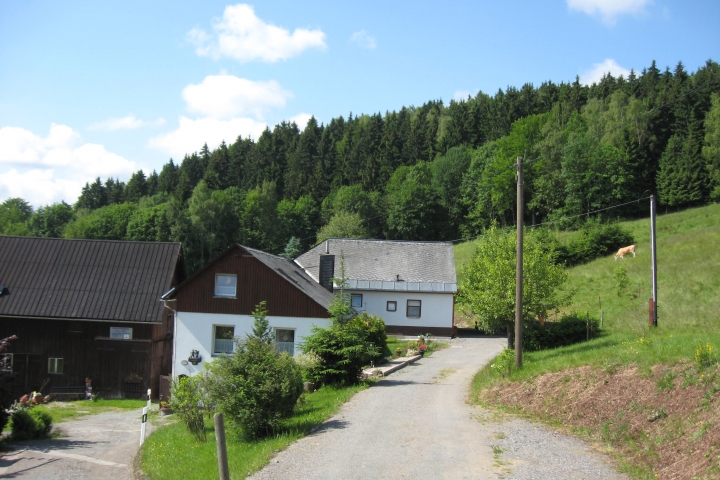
195 357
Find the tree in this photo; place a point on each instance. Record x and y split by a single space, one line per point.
106 223
256 387
293 248
14 212
711 149
50 221
136 187
93 196
489 285
343 225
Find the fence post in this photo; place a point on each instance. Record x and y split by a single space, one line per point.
221 446
149 404
142 425
587 327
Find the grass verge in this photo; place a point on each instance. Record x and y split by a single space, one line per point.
67 411
171 452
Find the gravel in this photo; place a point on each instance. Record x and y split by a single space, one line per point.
97 446
416 424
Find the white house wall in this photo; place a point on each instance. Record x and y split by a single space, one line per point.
436 308
194 331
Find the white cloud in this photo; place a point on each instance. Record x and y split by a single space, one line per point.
128 122
226 96
53 168
364 40
595 74
192 134
609 10
461 95
301 120
241 35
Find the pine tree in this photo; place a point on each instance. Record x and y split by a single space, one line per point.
136 187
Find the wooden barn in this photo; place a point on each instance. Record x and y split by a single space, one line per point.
87 309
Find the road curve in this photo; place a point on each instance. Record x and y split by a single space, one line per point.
416 424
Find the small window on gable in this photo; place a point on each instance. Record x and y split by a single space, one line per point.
223 339
225 285
356 300
413 308
55 365
391 306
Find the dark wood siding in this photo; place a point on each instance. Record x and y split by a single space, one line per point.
255 282
86 352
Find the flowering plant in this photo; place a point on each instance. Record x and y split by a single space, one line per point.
422 348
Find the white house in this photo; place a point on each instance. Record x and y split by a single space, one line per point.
410 285
214 305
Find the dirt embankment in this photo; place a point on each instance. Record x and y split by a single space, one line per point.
664 422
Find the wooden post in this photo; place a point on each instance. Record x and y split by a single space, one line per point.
587 326
653 250
221 447
602 318
519 267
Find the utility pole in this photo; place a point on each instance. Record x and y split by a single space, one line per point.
653 248
519 267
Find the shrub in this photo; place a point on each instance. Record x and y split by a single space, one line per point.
30 424
344 350
256 387
504 363
186 397
306 362
374 327
596 240
572 328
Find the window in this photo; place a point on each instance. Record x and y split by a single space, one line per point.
223 339
225 285
356 300
6 362
285 340
391 306
55 365
123 333
413 308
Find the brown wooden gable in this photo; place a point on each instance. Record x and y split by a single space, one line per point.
255 282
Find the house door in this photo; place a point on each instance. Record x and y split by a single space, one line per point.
285 340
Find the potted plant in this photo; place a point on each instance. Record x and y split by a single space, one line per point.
165 408
421 350
398 351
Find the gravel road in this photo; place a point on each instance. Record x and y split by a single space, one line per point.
97 446
416 424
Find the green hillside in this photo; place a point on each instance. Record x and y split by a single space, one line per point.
688 275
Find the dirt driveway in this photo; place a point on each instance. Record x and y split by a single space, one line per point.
100 446
416 424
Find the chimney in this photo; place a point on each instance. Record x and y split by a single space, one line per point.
327 271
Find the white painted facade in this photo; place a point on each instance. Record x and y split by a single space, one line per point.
195 331
436 308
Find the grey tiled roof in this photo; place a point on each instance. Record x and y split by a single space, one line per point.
85 279
377 264
295 275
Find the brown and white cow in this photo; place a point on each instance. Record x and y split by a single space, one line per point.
625 251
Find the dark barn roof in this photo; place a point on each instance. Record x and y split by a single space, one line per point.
85 279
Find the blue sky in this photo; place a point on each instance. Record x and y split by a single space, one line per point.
98 89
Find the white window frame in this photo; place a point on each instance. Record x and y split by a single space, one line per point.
53 365
394 305
354 296
218 294
418 306
228 345
288 347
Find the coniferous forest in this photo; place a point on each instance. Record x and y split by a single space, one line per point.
433 172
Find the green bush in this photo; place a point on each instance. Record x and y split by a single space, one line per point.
256 387
30 424
344 350
186 397
572 328
375 334
596 240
